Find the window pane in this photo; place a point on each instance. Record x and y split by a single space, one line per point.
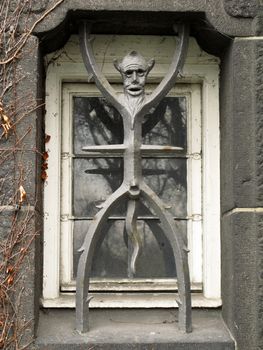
95 123
167 124
93 181
167 178
111 257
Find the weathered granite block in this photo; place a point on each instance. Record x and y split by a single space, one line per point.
30 128
133 330
214 11
242 283
241 8
241 125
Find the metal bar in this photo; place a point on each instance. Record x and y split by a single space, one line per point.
83 218
175 69
92 68
149 155
121 148
145 154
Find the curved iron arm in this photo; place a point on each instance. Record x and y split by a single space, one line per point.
104 86
91 66
175 67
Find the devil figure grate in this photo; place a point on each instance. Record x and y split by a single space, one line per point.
133 105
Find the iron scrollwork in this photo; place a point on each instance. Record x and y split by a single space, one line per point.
133 105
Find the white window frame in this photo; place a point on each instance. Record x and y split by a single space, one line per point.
66 67
192 92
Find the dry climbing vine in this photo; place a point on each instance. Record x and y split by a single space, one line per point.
17 204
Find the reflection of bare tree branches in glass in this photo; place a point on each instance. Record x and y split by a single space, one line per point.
93 181
166 124
167 177
156 249
103 124
97 123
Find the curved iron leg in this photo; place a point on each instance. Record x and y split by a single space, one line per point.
133 235
84 265
180 255
160 237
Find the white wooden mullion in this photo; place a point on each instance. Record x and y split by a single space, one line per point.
211 185
194 185
52 188
66 232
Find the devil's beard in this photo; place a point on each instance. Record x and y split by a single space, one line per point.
133 103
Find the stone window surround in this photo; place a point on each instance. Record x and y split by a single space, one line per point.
201 69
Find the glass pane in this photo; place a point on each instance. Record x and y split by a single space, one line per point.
111 258
93 181
167 178
167 123
95 123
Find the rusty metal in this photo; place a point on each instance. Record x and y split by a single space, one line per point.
133 105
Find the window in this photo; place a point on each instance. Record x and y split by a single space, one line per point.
79 181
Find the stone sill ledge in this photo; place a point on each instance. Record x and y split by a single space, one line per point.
132 329
131 300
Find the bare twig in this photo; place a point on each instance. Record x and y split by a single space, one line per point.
15 208
14 56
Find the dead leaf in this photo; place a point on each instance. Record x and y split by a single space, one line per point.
44 175
44 166
22 194
45 155
10 280
47 138
9 269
